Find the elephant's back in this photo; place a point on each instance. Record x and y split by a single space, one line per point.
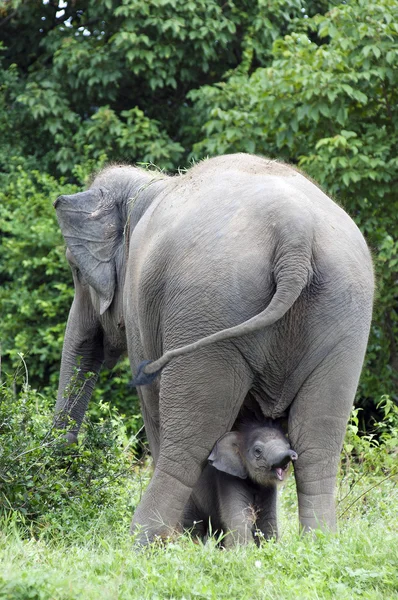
222 222
240 189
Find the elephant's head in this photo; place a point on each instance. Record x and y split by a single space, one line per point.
93 225
258 452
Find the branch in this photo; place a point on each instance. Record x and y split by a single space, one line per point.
10 16
367 491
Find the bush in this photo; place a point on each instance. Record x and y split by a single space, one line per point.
43 482
36 287
378 445
369 459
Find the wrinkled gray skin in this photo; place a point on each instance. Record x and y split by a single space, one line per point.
237 492
236 242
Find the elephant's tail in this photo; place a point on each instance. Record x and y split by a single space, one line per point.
290 284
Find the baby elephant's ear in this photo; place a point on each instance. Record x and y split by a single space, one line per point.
226 457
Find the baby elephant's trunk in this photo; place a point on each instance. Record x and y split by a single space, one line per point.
284 458
281 463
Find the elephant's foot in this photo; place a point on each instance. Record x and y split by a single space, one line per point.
317 512
159 515
158 533
317 506
234 538
71 438
265 531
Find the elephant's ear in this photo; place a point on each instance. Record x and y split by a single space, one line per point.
226 456
92 229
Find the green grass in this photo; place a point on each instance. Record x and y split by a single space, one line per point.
66 513
99 561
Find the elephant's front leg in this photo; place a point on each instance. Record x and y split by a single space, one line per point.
200 397
317 424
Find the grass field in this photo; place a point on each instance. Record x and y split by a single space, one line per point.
65 513
100 562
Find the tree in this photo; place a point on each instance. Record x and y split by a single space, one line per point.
85 79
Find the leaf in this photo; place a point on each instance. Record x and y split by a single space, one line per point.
348 134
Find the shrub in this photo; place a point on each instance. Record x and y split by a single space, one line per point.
43 482
369 459
378 445
36 289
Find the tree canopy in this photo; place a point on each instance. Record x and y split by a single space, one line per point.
82 79
83 82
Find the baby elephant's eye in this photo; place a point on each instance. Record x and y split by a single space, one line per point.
257 451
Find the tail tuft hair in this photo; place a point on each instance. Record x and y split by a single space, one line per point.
143 378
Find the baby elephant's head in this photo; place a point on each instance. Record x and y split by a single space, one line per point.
260 452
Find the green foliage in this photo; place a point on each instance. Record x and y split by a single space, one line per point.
378 445
35 281
45 484
369 464
113 387
111 78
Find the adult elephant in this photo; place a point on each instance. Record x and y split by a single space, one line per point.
249 286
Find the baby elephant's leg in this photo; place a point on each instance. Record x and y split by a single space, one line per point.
195 525
236 511
201 508
266 525
193 520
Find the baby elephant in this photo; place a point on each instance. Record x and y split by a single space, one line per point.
237 491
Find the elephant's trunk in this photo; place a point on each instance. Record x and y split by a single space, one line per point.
82 357
74 392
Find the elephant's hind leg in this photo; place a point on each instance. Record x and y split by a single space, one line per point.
317 424
200 397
